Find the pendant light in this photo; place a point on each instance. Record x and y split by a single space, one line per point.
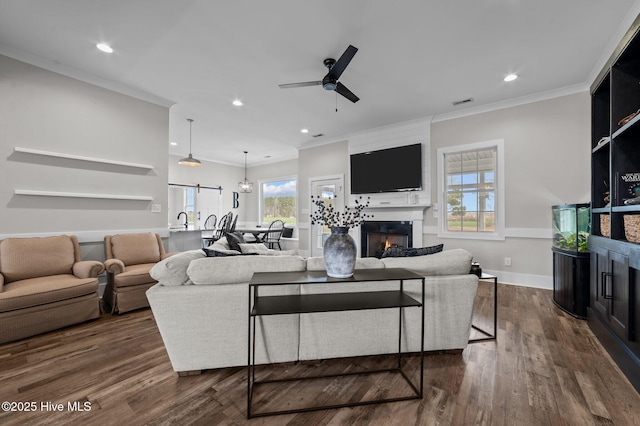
190 161
245 186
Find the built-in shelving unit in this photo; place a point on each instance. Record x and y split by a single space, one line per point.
82 195
614 300
81 158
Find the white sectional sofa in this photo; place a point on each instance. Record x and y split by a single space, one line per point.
200 305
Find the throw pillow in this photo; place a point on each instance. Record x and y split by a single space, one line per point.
257 248
235 239
410 252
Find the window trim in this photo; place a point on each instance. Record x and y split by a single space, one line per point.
261 183
499 233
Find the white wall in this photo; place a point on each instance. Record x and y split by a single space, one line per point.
281 169
42 110
547 161
209 174
326 160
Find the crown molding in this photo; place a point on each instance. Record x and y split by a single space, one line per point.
83 76
509 103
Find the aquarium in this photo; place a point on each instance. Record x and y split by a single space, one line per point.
571 227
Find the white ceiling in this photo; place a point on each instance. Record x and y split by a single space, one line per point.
415 58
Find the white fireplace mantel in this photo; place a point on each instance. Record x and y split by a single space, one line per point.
403 213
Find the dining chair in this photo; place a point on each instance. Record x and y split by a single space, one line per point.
223 227
272 237
209 225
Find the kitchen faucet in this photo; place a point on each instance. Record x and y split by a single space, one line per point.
186 219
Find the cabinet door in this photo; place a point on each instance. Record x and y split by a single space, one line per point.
599 266
563 281
619 292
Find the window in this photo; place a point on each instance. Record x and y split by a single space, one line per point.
190 204
278 200
471 191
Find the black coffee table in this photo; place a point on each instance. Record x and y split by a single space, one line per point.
331 302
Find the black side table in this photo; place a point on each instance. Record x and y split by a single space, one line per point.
331 302
495 312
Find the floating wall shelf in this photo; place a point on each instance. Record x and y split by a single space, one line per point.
82 195
81 158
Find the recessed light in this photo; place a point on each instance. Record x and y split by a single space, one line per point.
173 143
304 130
237 102
511 77
104 47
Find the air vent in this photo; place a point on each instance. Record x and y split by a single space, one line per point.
318 135
464 101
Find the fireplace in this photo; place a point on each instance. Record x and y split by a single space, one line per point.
376 237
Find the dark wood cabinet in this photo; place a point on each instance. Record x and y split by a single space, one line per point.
614 305
610 290
571 282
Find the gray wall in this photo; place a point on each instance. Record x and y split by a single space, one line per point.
546 159
546 150
547 162
46 111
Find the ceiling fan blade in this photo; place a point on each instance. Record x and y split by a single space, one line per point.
303 84
338 68
342 89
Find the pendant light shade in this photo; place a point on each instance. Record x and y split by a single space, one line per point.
190 161
245 186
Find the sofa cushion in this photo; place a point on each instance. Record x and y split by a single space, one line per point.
239 269
24 258
134 275
173 270
134 249
412 251
317 263
448 262
43 290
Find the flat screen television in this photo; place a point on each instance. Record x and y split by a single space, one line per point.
387 170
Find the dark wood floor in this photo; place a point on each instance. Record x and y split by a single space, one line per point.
546 368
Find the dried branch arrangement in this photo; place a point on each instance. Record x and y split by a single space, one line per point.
327 215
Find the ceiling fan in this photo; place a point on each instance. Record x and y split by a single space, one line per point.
330 81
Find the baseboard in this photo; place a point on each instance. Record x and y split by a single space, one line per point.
524 280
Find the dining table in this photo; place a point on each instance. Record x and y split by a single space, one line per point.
257 231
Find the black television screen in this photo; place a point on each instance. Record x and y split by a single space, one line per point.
387 170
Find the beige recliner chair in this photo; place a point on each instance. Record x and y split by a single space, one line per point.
129 257
45 286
